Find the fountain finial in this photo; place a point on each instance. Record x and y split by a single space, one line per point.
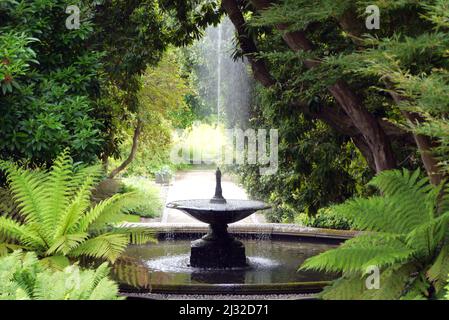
218 197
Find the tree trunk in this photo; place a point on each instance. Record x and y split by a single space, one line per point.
368 125
133 152
424 143
259 67
105 161
339 121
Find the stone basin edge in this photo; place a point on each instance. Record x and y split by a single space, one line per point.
262 228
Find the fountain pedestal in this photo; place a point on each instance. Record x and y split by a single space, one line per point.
217 249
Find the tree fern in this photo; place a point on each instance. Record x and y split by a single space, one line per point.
59 218
406 238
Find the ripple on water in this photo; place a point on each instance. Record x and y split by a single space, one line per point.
180 264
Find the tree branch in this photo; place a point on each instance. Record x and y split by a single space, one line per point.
133 152
367 123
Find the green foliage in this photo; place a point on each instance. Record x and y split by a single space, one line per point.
23 277
324 218
407 55
79 88
411 63
300 13
49 83
16 58
58 219
406 238
161 107
317 167
146 189
141 69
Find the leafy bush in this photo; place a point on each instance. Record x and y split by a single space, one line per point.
23 277
325 218
58 219
152 206
407 240
49 84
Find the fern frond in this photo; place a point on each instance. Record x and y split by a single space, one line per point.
106 289
81 173
55 196
425 238
443 203
92 215
73 212
8 207
368 214
355 259
66 243
13 230
392 283
438 272
27 188
408 194
114 213
110 211
348 287
105 246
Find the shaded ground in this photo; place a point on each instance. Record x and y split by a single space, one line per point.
200 184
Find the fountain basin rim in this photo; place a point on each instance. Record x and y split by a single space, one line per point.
231 205
266 229
246 289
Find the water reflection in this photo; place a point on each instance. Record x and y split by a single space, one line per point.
167 263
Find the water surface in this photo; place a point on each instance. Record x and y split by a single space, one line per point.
270 262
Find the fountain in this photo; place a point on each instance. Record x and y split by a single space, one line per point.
211 260
218 249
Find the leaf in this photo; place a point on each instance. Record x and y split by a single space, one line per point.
55 262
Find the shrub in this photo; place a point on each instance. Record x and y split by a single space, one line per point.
23 277
152 206
325 218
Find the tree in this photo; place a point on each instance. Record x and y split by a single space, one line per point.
348 17
161 105
73 88
368 131
407 239
136 34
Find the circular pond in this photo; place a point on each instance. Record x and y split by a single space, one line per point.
273 262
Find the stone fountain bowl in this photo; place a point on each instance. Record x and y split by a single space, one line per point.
218 213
